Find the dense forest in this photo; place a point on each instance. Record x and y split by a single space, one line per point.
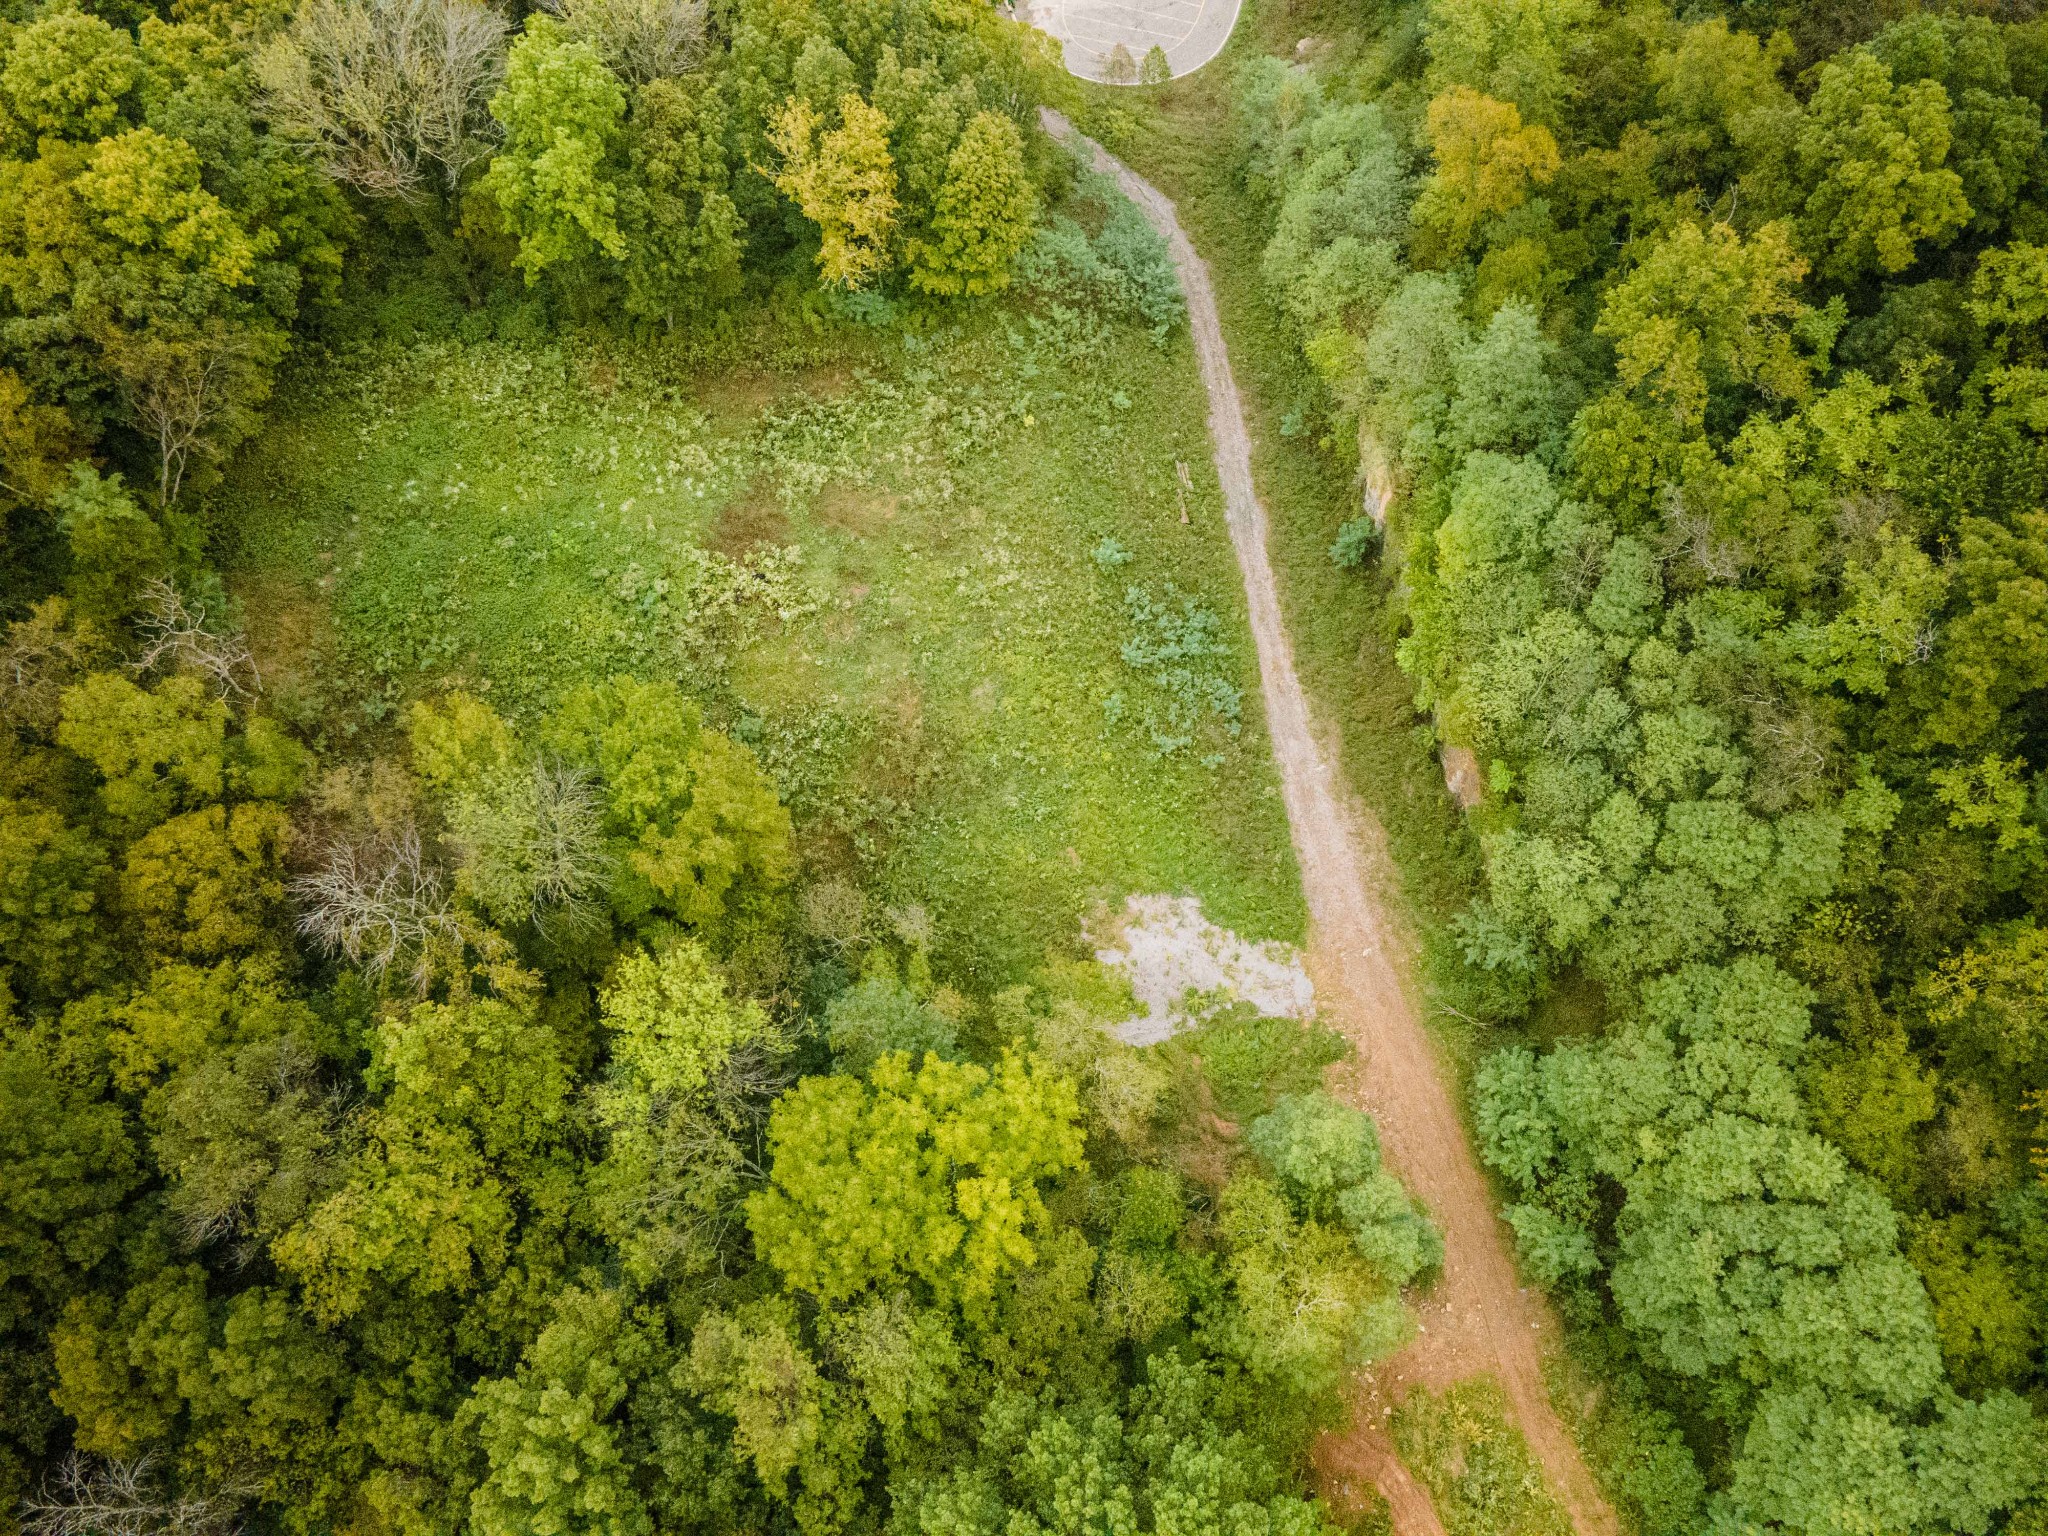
1699 358
591 594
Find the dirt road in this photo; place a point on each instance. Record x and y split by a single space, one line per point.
1477 1318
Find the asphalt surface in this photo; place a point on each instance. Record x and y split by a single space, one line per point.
1191 31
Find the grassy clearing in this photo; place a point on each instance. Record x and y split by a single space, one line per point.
940 580
1343 623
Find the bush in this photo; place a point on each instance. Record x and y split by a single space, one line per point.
1317 1147
1250 1061
1358 543
1124 272
879 1015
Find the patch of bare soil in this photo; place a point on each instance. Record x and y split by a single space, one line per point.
754 518
1477 1318
1169 951
855 510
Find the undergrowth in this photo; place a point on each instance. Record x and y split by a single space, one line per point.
879 569
1475 1463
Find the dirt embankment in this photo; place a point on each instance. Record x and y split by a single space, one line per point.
1477 1319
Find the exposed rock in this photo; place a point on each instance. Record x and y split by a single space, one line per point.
1171 953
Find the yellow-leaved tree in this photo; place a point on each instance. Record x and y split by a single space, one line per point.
983 215
1487 159
844 181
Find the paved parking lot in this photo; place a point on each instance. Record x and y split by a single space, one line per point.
1191 31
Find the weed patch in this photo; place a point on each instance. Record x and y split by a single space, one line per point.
1475 1463
878 572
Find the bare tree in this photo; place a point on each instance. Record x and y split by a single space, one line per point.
374 899
87 1496
176 634
392 97
566 847
640 40
194 389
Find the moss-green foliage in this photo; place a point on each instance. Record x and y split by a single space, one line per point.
1327 1157
1249 1061
1475 1463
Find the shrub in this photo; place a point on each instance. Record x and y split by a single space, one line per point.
1357 544
1123 272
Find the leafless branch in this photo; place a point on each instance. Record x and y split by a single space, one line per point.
641 40
565 848
175 634
388 95
88 1496
41 656
374 899
1691 535
194 389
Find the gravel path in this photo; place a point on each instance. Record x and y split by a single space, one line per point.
1476 1318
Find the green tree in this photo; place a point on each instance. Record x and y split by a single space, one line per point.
1988 660
692 819
558 1461
1727 118
1509 49
925 1171
982 216
684 231
51 926
1708 309
673 1023
878 1015
69 75
463 1141
1875 155
248 1138
750 1366
156 751
1747 1255
1996 132
116 547
181 1015
1303 1308
71 1165
210 883
1505 391
1993 998
556 179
